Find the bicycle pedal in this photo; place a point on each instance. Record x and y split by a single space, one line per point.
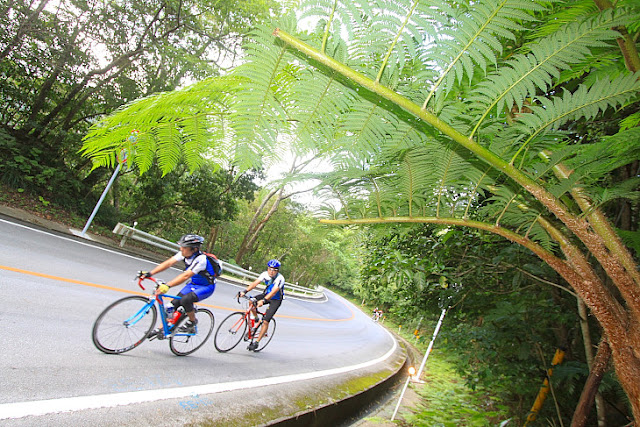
155 335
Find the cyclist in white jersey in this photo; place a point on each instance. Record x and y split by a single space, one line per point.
198 273
272 295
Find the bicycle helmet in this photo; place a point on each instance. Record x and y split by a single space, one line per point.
274 263
190 241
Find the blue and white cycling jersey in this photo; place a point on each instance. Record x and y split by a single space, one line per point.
198 283
277 282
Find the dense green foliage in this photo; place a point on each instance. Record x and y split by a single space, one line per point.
64 64
506 319
312 254
448 402
181 201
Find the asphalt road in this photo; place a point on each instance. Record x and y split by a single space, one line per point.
54 287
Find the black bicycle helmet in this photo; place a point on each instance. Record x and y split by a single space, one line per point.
191 241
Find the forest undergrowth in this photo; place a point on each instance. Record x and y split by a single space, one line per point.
446 400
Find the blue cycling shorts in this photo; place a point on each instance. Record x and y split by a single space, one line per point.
201 291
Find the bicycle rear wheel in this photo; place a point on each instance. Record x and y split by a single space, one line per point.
124 324
230 332
268 336
182 343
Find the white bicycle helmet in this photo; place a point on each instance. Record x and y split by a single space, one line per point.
191 241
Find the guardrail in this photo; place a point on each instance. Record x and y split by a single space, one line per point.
237 272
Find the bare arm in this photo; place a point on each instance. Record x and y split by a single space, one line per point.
252 285
163 265
181 278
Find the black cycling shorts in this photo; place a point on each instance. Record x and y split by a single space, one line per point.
186 301
274 305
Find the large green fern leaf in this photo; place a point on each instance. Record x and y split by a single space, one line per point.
524 75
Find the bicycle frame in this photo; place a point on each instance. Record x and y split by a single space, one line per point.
251 323
155 299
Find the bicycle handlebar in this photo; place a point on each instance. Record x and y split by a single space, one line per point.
157 282
250 298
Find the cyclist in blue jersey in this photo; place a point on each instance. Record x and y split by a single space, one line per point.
198 275
272 295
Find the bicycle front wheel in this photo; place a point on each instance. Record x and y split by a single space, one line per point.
184 342
230 332
268 336
124 325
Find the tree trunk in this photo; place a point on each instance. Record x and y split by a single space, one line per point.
249 235
213 236
256 226
598 369
588 349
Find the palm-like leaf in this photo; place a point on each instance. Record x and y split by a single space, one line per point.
524 75
585 103
189 120
473 40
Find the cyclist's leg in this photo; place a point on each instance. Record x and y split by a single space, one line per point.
188 300
274 305
254 309
268 327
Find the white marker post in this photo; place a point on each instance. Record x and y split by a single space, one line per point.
104 194
424 361
122 158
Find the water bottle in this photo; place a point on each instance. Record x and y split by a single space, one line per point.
169 309
177 315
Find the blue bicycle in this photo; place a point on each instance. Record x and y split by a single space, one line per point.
127 323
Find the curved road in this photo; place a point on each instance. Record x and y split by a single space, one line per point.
53 288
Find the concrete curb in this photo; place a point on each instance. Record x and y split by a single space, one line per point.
348 409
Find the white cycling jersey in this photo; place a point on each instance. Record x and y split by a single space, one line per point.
278 282
196 264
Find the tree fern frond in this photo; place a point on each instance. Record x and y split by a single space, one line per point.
449 168
585 69
631 121
510 209
583 103
521 77
627 189
150 115
369 125
169 148
335 16
392 37
146 147
570 12
592 162
318 111
261 99
474 39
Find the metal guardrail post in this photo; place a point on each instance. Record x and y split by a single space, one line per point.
127 234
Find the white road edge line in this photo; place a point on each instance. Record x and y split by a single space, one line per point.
79 403
73 240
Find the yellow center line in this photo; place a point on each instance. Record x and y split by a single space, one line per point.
126 291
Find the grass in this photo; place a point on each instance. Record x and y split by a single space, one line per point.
447 401
445 398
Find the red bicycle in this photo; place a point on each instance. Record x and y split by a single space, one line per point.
241 325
